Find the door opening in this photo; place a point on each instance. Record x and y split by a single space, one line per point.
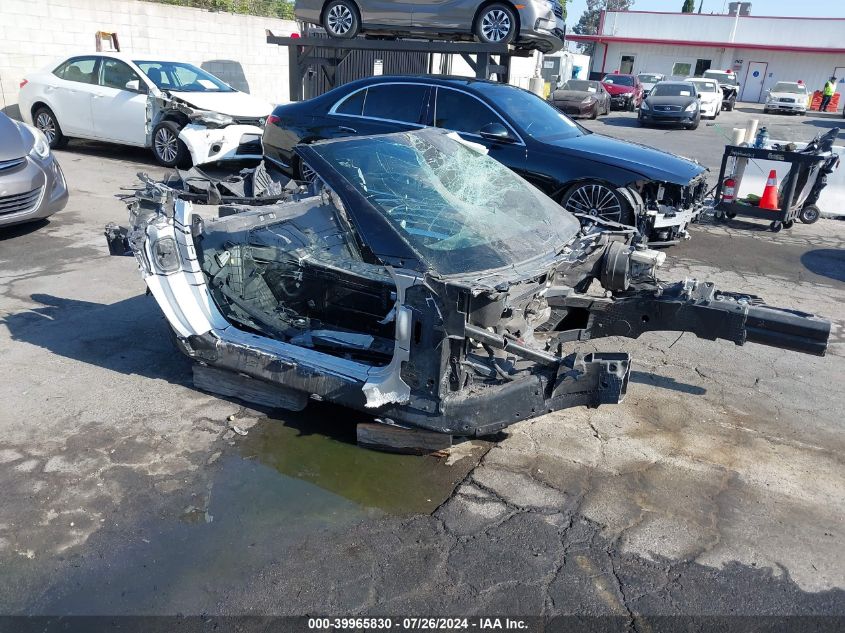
752 87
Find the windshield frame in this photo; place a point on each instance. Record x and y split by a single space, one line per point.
384 243
791 84
222 86
713 87
663 85
588 84
488 91
723 77
609 79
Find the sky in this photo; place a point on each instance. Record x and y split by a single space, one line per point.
811 9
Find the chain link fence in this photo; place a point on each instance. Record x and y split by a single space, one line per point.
269 8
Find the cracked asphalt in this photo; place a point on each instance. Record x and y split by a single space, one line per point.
717 488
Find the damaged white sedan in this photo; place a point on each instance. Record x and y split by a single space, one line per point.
424 282
181 112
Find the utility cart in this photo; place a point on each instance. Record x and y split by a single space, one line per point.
804 179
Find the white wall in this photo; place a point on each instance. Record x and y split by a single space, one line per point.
522 68
803 32
814 69
34 33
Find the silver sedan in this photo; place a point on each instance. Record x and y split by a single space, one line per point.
32 185
533 24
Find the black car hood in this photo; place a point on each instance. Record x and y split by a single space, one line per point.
571 95
676 101
640 159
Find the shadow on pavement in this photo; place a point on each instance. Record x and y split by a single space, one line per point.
664 382
828 262
828 124
111 151
620 121
11 232
129 337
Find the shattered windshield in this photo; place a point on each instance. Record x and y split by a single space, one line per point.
459 209
182 77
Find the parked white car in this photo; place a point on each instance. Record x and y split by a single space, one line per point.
787 96
176 109
711 96
649 80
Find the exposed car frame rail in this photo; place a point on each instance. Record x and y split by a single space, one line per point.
487 60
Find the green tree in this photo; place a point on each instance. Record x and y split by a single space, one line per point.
689 6
588 23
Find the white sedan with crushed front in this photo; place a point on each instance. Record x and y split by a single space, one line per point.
787 96
183 113
711 96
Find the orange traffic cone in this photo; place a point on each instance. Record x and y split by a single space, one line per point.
770 193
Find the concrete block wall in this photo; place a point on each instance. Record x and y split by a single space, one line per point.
35 33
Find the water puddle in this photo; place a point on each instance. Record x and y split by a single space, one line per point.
283 482
321 450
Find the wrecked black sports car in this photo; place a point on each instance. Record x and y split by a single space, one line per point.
425 283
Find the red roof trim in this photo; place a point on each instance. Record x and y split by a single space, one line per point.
642 40
725 15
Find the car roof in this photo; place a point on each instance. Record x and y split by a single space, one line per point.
709 80
123 56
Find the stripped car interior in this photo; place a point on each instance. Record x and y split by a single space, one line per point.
419 280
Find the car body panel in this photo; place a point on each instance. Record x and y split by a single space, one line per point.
728 82
553 164
101 112
621 94
594 99
649 80
265 295
32 187
541 22
711 100
235 104
671 109
794 100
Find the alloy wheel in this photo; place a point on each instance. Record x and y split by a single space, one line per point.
339 19
45 123
166 145
496 25
596 200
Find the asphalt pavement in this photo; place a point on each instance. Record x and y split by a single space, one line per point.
716 488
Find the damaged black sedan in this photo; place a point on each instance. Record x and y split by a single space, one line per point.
423 282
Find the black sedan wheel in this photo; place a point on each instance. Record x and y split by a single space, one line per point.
45 121
496 24
598 200
595 113
340 19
